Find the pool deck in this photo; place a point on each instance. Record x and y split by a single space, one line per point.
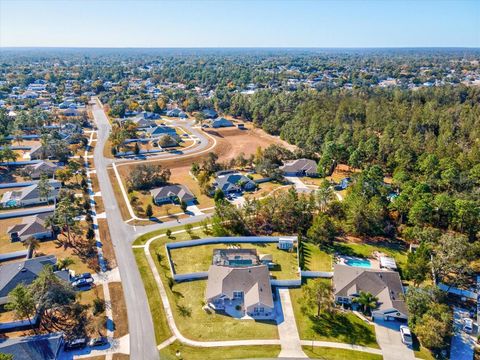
374 263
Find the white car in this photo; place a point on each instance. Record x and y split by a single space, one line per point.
406 335
468 325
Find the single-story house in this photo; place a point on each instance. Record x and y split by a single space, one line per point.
25 272
158 131
36 152
172 193
35 171
30 226
386 285
300 167
221 122
209 113
233 182
177 113
30 195
45 347
241 290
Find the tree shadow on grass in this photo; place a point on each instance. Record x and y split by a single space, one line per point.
339 326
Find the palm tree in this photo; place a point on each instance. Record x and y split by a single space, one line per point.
64 263
32 244
367 301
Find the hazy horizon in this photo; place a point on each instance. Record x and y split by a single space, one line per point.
240 24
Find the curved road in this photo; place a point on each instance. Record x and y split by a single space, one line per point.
142 335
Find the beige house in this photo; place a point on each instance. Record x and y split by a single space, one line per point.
240 291
386 285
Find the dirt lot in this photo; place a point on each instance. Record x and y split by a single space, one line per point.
119 309
107 245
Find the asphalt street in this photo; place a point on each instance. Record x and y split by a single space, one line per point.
142 335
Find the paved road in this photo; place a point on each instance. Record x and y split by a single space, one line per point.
142 335
462 344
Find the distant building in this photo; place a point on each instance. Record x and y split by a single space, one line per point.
221 122
209 113
172 193
30 195
158 131
300 167
233 182
30 226
45 347
35 171
177 113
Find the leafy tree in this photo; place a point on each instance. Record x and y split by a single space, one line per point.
64 263
419 300
323 230
435 327
324 195
317 294
418 265
149 211
22 303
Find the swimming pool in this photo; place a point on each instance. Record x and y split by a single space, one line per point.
365 263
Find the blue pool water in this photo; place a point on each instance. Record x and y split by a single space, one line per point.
359 263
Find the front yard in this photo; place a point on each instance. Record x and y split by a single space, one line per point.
343 327
229 352
286 269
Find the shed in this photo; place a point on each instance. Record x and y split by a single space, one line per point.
286 243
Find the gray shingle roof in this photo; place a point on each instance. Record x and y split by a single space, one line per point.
25 272
254 281
44 347
181 191
31 225
300 165
384 284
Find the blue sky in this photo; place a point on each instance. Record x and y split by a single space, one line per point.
247 23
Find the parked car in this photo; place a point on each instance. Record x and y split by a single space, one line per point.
73 344
81 276
468 325
82 282
406 335
100 341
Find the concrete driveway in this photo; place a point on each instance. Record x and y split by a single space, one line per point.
390 341
462 344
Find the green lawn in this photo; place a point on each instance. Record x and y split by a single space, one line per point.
286 269
343 327
193 322
316 259
393 249
160 325
338 354
237 352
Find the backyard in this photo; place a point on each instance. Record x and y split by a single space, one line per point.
286 269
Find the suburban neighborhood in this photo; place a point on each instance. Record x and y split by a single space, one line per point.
238 203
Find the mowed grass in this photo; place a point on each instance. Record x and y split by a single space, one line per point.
144 198
343 327
229 352
396 250
187 300
160 325
315 258
325 353
287 264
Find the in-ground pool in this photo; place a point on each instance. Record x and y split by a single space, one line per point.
358 262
